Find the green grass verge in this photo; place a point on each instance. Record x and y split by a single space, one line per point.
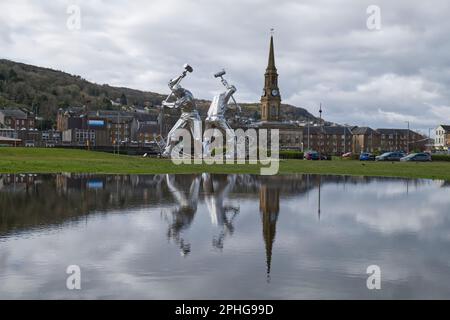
36 160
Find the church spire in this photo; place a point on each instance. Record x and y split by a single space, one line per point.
271 63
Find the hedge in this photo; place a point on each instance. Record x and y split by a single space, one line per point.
440 157
283 154
291 154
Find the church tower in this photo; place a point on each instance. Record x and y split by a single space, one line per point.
270 99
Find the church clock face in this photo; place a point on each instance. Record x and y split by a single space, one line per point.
274 92
264 93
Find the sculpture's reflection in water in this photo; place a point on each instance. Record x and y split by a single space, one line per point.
186 207
216 190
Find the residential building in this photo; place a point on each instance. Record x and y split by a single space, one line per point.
365 139
442 139
111 127
291 137
401 140
331 140
16 119
70 118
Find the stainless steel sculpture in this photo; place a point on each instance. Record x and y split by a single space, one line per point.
189 119
216 115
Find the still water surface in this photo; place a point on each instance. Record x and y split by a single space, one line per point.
223 236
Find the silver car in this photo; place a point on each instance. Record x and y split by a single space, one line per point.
422 157
390 156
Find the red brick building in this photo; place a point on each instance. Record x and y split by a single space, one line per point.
16 119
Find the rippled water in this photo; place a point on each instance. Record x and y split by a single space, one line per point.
220 237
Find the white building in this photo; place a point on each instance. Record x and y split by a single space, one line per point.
442 139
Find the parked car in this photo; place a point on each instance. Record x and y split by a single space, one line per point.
423 156
347 155
311 155
314 155
390 156
365 156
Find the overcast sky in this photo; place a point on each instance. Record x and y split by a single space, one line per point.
324 51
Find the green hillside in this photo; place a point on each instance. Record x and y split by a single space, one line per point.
44 91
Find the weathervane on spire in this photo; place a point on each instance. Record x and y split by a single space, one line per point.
272 30
320 111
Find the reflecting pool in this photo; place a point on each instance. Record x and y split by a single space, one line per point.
210 236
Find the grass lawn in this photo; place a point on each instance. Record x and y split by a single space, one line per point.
37 160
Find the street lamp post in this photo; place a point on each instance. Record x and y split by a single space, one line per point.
345 138
117 138
407 142
308 133
320 131
161 117
371 141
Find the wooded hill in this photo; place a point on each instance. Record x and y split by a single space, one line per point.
44 91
